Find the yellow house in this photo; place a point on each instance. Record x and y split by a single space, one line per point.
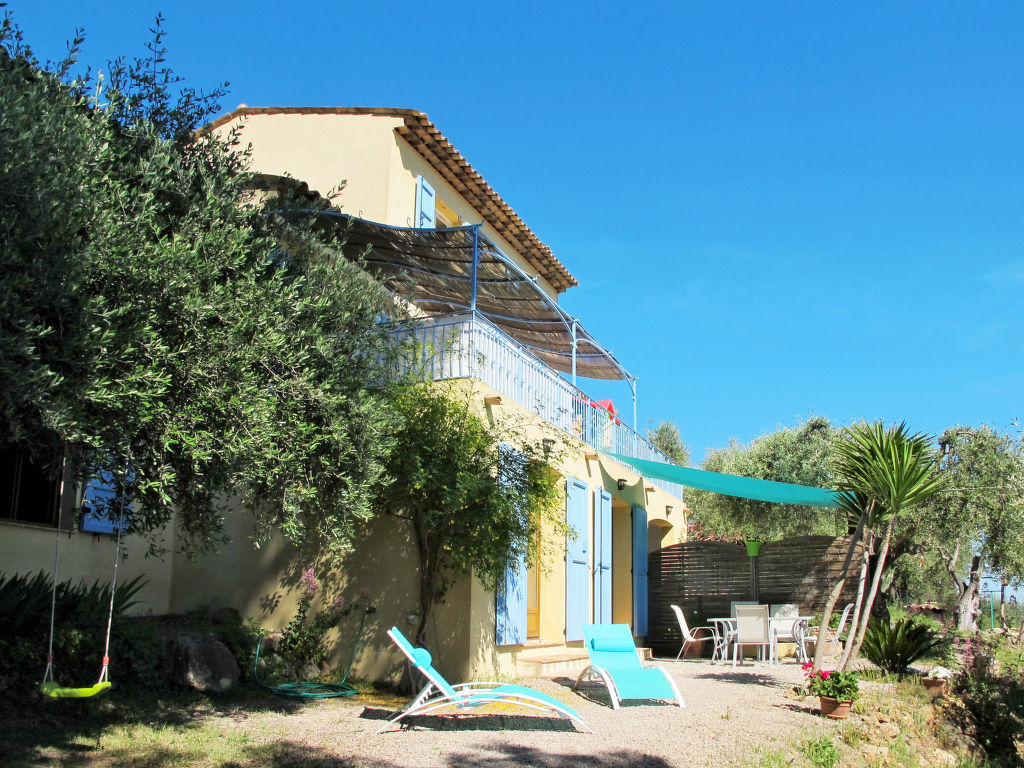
486 307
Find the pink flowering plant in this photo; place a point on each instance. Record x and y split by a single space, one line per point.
302 640
832 684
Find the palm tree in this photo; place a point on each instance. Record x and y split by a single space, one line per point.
882 472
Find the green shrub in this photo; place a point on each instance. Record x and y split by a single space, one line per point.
895 646
80 626
989 706
302 640
821 752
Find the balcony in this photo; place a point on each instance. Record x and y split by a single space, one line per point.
466 345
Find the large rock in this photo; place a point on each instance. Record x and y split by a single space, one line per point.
202 662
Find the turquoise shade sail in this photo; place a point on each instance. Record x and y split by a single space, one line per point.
733 485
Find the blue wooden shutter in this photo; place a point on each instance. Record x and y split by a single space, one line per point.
510 606
639 571
510 600
426 204
100 511
577 568
602 557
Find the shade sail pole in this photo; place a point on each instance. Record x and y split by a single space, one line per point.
574 324
632 386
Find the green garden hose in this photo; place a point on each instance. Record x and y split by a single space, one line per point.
310 690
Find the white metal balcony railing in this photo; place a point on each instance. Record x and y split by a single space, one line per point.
467 345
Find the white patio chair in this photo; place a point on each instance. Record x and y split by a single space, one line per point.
690 635
800 634
752 629
833 636
784 631
734 603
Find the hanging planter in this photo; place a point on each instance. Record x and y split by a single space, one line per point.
837 710
753 548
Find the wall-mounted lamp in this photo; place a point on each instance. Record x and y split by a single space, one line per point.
668 510
549 444
621 483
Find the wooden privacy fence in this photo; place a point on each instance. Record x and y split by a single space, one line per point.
704 577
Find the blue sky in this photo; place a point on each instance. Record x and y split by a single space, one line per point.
773 210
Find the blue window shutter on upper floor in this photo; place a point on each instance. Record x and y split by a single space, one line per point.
426 204
602 557
577 567
639 571
510 599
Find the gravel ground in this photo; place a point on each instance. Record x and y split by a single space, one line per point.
729 713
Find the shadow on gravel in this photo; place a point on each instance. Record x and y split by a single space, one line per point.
503 755
473 722
738 678
596 693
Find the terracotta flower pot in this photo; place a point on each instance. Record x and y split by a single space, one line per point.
837 710
936 686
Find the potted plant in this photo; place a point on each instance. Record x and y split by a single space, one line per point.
836 691
936 680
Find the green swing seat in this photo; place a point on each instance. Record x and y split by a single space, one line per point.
55 691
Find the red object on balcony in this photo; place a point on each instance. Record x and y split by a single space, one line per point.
609 406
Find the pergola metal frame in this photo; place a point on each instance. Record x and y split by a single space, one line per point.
459 269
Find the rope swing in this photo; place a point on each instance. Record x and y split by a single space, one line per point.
49 686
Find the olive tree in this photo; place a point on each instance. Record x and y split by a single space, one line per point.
163 321
474 494
791 455
977 522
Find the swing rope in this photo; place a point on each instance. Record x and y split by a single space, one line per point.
48 675
49 685
104 676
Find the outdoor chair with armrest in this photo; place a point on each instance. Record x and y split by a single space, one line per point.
439 693
751 629
690 635
833 636
615 662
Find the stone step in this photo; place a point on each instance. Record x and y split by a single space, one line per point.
568 662
563 662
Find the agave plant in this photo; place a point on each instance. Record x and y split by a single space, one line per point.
894 647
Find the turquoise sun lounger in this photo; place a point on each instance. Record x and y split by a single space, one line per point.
439 693
615 662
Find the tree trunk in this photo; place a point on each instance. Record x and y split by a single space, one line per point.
1002 606
428 581
969 605
854 647
858 603
833 597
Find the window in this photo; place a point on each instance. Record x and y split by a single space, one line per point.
28 493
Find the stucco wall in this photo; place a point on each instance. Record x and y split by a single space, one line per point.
263 582
380 168
89 557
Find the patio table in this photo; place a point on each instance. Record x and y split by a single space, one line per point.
727 627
